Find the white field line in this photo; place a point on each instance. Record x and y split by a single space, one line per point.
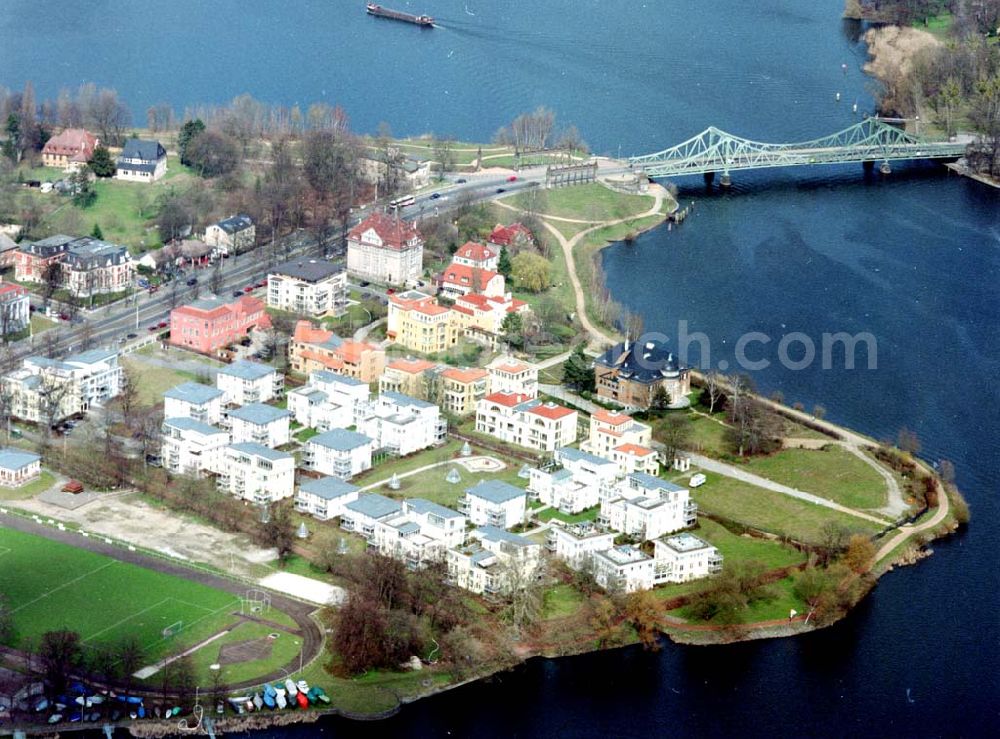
126 619
65 585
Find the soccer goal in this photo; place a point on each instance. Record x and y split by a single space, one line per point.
255 602
173 630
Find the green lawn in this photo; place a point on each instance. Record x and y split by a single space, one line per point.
306 434
40 323
586 515
51 585
588 203
734 548
770 511
33 488
430 484
561 600
832 473
374 691
778 607
154 381
284 649
707 435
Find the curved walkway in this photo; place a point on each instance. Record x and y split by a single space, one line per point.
729 470
596 334
908 530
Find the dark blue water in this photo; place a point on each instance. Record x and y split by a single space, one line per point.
913 259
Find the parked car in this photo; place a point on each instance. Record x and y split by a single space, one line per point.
435 196
461 181
248 289
131 336
193 281
238 294
512 178
500 190
364 283
697 480
63 316
153 289
154 327
262 283
162 324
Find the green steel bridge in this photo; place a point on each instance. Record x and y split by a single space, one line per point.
872 140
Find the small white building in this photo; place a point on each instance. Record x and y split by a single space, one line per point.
361 515
516 419
339 453
249 382
309 287
259 423
623 569
256 473
191 447
233 235
193 400
494 503
572 481
401 425
141 160
325 497
648 507
685 557
512 376
576 544
18 467
420 533
494 562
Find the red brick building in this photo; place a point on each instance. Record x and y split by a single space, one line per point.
210 324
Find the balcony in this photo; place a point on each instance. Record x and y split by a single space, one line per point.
496 519
550 542
715 564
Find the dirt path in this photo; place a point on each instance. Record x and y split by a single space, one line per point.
905 532
597 336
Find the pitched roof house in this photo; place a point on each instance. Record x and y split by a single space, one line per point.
386 249
70 149
141 160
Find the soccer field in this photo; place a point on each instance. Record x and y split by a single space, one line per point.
50 586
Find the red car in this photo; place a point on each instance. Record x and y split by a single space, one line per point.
262 284
162 324
154 327
153 289
512 178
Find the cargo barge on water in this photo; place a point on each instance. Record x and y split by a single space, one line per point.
420 20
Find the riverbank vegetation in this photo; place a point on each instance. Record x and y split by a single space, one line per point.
949 79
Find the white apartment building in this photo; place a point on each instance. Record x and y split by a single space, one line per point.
193 400
44 389
494 562
494 503
256 473
684 557
625 441
623 569
402 425
513 377
576 544
647 507
361 515
325 497
338 453
309 287
386 249
259 423
516 419
329 401
245 382
191 447
572 481
421 532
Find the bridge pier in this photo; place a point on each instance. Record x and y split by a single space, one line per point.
885 168
725 180
868 165
709 177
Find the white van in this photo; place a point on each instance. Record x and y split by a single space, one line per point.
697 480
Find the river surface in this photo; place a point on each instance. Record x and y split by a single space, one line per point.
914 259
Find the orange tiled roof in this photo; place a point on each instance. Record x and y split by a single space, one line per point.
469 374
635 450
551 411
393 231
411 365
615 419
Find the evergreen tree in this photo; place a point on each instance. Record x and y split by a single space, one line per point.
188 131
577 372
102 164
83 194
504 265
512 330
97 233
